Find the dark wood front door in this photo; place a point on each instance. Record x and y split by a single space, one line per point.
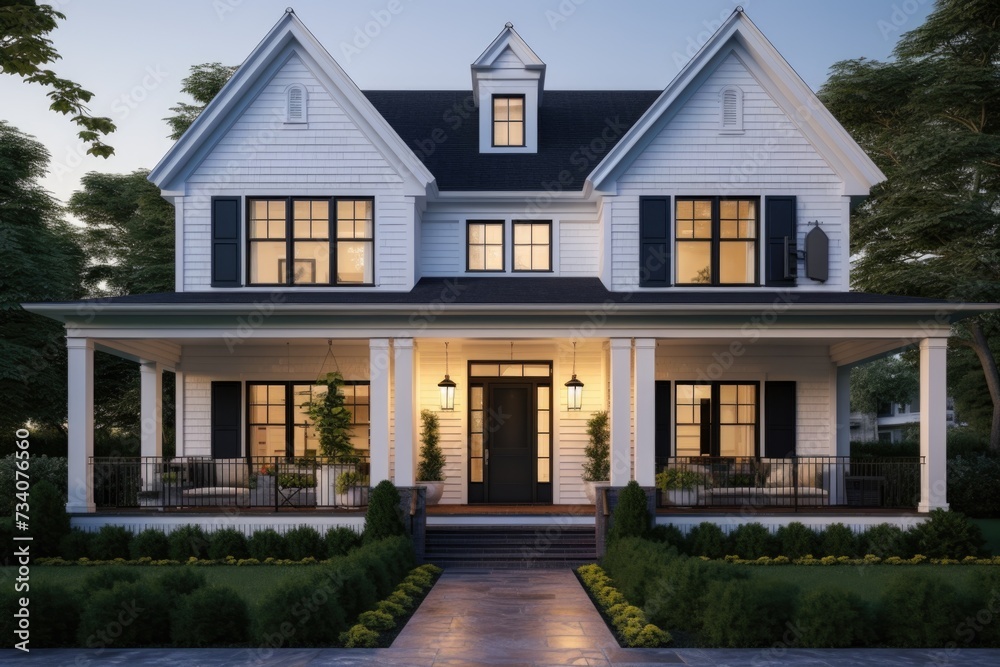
510 443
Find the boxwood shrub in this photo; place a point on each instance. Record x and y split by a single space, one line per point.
111 542
267 543
838 540
212 616
921 611
747 612
76 544
305 542
677 598
831 617
340 541
227 542
752 540
150 543
796 541
707 539
634 563
188 542
131 614
101 578
54 614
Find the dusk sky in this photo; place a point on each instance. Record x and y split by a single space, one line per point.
133 54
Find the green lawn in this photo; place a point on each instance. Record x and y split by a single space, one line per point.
868 581
991 531
252 583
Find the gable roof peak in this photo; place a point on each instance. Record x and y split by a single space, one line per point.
494 58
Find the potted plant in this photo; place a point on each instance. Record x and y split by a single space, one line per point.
680 486
352 489
331 419
597 467
430 472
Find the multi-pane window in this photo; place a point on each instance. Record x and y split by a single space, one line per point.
300 229
544 457
532 246
508 120
716 418
485 246
280 426
716 241
476 429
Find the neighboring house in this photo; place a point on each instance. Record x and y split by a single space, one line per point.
659 246
896 422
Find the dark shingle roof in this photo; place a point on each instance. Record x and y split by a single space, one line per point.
576 129
518 291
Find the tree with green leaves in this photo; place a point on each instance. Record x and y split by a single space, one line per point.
331 418
24 52
930 119
42 262
203 84
129 234
887 380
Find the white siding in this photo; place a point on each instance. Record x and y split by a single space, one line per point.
691 157
579 248
329 156
441 248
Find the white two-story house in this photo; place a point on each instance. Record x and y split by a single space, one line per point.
682 253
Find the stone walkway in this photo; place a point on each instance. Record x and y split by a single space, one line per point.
536 618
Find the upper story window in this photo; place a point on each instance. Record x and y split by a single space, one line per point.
296 107
508 120
715 241
532 246
291 242
485 246
731 110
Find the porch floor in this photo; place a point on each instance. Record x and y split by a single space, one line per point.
514 510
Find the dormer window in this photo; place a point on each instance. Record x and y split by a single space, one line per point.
731 110
508 120
296 107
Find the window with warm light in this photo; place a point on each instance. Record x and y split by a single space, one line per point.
291 242
508 120
715 240
716 419
485 246
532 246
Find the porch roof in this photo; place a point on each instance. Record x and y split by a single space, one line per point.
486 294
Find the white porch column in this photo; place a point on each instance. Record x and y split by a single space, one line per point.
404 422
150 409
933 418
80 424
621 413
378 360
645 411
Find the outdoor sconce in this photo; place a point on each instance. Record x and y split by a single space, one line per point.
447 386
574 388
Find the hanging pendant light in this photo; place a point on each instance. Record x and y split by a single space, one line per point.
447 386
574 388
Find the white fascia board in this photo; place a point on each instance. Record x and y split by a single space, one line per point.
774 73
288 36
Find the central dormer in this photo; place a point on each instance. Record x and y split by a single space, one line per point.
507 83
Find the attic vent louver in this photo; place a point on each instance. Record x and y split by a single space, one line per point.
731 110
296 111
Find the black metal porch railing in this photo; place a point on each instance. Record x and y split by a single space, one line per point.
260 482
792 482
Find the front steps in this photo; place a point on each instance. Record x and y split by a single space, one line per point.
510 547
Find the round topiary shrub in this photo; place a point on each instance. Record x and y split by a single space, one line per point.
127 615
150 543
49 520
54 616
267 543
227 542
180 581
101 578
831 617
384 517
187 542
631 515
747 613
111 542
340 541
796 541
919 610
213 616
318 618
885 540
838 540
752 540
706 539
377 620
359 636
305 542
75 544
667 534
947 535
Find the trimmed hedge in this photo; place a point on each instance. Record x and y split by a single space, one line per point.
628 620
267 543
227 542
130 614
150 543
213 616
305 542
747 613
832 618
54 616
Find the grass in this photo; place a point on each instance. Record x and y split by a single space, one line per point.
252 583
991 531
866 581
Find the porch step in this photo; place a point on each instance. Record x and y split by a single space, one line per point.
510 546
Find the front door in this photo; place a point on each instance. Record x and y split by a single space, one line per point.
509 442
510 432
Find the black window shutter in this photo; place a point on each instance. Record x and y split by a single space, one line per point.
225 241
779 419
782 264
664 399
654 241
226 418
